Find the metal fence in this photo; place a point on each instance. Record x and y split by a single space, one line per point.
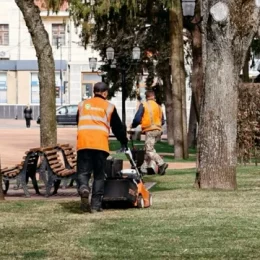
16 111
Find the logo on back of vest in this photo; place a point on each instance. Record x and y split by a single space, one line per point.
88 106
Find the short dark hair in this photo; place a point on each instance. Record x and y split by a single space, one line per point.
100 87
149 93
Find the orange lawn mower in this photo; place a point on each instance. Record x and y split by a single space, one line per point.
125 187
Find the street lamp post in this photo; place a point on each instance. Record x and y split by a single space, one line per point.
188 7
110 53
93 67
93 63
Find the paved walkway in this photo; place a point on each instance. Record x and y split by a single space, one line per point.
15 139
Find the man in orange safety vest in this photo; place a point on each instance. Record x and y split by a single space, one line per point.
95 117
150 117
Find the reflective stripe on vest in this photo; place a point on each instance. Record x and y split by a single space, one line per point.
93 127
104 119
95 118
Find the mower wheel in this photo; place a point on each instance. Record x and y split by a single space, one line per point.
140 202
150 200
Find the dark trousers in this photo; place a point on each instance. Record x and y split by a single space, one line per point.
89 161
28 122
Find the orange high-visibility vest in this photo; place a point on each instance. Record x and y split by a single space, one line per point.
152 117
94 124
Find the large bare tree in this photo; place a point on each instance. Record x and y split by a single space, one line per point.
194 26
40 39
228 26
178 81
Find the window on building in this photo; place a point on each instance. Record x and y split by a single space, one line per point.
3 88
87 90
88 81
4 34
35 90
58 32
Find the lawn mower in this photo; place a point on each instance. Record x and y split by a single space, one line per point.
125 187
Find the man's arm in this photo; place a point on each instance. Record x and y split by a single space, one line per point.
138 116
118 129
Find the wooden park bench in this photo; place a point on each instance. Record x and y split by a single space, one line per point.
22 172
70 159
59 161
57 169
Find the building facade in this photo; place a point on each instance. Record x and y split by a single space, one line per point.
19 83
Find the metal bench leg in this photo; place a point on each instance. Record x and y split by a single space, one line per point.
6 182
25 188
18 184
42 172
65 184
56 186
43 177
49 186
34 182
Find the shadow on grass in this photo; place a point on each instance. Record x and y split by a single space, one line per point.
171 181
72 207
38 254
159 188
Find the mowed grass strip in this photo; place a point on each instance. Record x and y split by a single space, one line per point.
183 223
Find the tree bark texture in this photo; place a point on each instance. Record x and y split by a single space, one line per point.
178 82
166 78
192 133
226 44
197 69
40 39
246 68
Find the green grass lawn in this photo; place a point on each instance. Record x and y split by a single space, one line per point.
161 147
183 223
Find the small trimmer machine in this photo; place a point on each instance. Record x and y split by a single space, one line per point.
125 187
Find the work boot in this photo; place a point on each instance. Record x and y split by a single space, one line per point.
162 169
96 204
84 194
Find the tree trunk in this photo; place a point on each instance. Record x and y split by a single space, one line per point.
226 44
167 88
246 68
178 82
1 184
197 69
197 73
192 136
40 39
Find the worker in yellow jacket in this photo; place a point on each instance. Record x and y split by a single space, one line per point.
150 116
95 117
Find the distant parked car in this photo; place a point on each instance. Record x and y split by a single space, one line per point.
65 115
